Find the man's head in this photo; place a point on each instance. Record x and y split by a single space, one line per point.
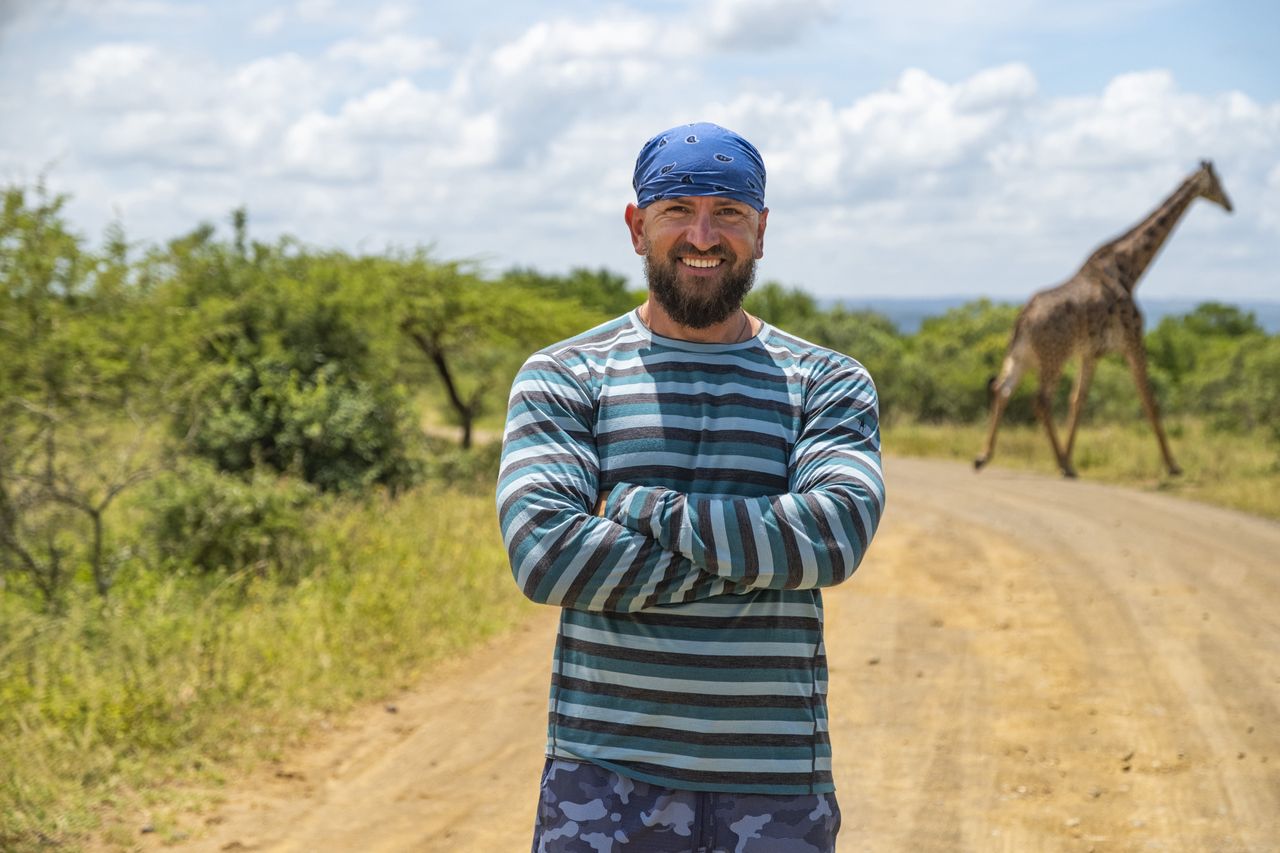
699 220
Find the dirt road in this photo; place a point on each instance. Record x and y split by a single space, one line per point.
1021 664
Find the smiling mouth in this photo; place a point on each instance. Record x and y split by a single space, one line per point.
702 263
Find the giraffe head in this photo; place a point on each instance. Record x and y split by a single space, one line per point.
1209 187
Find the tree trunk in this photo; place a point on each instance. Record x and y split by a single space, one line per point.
435 354
101 578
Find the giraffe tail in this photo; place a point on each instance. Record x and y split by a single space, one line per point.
1016 357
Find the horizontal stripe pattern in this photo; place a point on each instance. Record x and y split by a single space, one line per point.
742 479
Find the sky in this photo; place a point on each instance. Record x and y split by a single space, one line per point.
914 149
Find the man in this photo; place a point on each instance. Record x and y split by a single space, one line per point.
682 481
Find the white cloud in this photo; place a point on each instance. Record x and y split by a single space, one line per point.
996 88
391 17
925 123
151 107
115 10
933 169
269 23
103 68
394 51
898 140
182 140
1092 156
395 134
119 76
755 24
254 105
273 83
316 10
317 148
936 21
560 73
576 47
437 130
521 150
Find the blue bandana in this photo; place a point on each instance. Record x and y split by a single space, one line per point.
696 160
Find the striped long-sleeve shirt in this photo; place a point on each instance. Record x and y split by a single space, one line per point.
741 479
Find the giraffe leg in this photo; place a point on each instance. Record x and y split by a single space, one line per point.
1135 353
1001 389
1078 395
1044 411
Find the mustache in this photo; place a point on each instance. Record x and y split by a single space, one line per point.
689 250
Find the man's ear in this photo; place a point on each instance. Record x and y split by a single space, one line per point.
635 224
764 219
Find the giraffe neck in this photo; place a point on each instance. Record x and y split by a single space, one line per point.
1133 251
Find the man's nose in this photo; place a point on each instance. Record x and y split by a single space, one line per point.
702 232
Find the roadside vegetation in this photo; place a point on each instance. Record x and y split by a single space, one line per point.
245 486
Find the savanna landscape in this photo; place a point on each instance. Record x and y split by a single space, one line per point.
252 592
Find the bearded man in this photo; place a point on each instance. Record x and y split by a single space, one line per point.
682 482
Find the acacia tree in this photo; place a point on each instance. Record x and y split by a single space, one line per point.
69 364
475 333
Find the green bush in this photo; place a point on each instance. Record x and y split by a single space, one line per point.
599 291
1184 350
212 521
292 363
1240 385
785 307
873 340
951 360
329 428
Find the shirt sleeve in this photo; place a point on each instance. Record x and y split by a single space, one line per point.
548 485
813 536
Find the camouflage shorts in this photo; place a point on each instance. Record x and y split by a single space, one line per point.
587 809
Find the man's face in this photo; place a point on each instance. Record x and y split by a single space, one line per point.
700 254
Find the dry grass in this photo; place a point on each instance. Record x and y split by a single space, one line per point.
1226 469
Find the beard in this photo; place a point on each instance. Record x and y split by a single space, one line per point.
698 306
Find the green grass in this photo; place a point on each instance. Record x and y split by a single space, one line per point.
184 680
1240 471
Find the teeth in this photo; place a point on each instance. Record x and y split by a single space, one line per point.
702 263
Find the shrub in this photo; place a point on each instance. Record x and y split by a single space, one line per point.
330 428
952 358
212 521
289 358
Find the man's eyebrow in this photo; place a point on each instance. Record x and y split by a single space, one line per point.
719 201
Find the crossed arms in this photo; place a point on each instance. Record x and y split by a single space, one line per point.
652 546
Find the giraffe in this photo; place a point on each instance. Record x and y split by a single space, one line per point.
1089 315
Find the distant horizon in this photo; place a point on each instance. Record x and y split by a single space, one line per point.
969 297
908 312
